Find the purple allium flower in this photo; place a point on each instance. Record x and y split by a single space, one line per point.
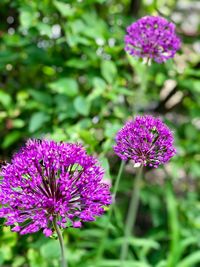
152 38
48 180
146 140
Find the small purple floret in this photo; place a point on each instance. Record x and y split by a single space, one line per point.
77 224
47 232
145 140
152 38
48 180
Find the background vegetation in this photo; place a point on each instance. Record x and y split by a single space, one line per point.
65 75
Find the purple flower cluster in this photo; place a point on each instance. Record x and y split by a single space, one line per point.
48 180
146 140
152 38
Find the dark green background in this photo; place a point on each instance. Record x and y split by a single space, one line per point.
65 76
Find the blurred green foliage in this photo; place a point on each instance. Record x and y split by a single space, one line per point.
65 75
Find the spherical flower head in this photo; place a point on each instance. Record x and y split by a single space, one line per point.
47 180
152 38
145 140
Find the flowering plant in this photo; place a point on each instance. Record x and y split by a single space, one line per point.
49 181
146 140
152 38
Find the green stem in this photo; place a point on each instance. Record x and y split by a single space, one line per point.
118 178
103 240
174 251
61 241
131 216
142 72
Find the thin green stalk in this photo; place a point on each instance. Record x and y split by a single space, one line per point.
142 71
131 216
61 241
116 185
118 179
174 227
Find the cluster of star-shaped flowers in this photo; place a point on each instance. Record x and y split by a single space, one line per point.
48 180
145 140
152 38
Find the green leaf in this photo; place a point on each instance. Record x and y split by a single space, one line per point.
99 83
28 17
66 10
35 260
189 84
108 71
18 123
117 263
19 261
44 29
139 242
37 121
162 263
11 138
190 260
5 254
99 87
77 63
111 129
82 106
64 107
67 86
5 99
41 97
50 250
